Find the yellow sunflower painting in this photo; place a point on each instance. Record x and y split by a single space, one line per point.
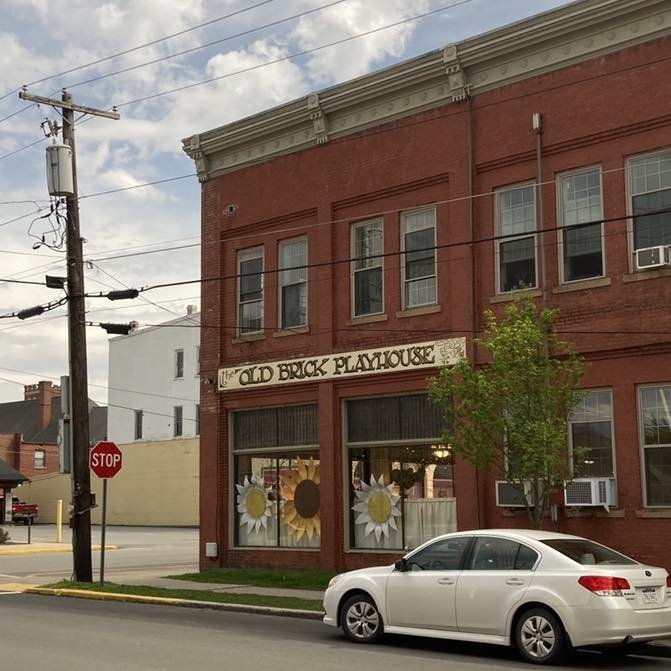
376 507
253 504
300 492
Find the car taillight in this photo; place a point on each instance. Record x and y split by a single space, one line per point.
603 585
668 582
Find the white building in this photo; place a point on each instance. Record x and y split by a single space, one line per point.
154 387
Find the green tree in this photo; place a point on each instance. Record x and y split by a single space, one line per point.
510 415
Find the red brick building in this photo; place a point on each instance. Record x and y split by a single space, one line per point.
352 239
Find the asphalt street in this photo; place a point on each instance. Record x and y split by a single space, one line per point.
61 634
139 551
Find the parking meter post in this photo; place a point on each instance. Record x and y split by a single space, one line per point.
30 527
102 537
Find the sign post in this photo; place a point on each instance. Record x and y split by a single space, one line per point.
105 461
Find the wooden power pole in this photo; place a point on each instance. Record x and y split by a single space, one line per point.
82 500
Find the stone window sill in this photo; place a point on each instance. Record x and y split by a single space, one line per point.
641 275
504 298
592 511
282 333
654 512
366 319
582 285
249 338
418 311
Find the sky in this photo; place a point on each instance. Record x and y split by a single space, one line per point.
45 43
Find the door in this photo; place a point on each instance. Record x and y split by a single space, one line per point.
424 595
494 580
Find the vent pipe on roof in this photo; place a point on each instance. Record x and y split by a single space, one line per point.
191 309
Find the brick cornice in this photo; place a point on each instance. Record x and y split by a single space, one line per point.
573 33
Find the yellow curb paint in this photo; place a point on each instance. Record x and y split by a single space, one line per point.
104 596
17 551
15 587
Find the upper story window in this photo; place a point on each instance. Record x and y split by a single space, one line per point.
655 417
516 254
40 459
367 268
250 291
650 180
419 259
139 416
178 421
293 258
582 241
179 363
591 432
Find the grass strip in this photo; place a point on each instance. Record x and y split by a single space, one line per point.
294 579
194 595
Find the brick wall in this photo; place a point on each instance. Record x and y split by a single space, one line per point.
596 113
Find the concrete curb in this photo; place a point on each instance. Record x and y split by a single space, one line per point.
184 603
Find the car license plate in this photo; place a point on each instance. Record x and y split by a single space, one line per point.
649 595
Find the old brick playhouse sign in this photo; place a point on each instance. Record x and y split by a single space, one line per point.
346 364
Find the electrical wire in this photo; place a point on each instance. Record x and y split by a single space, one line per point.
272 24
293 56
138 47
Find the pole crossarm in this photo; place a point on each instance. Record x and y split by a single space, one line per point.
24 95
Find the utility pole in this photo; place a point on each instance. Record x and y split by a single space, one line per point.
82 500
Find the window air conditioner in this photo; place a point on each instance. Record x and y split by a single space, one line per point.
591 492
508 495
652 257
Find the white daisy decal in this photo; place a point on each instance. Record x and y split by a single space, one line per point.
377 507
253 504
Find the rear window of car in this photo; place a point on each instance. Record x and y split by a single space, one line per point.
586 552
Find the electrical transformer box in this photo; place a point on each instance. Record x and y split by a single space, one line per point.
59 170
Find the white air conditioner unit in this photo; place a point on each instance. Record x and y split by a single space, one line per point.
508 494
591 492
652 257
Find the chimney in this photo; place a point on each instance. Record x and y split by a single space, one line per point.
43 392
134 326
191 309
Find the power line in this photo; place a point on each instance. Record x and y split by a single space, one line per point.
297 54
447 245
272 24
138 47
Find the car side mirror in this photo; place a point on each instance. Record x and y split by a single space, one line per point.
401 565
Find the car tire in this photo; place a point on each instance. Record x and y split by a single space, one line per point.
360 619
539 636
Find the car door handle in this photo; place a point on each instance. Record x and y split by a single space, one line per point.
446 581
514 581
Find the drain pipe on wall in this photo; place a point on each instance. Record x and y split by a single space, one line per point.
537 124
474 305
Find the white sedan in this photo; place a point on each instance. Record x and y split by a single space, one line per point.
539 591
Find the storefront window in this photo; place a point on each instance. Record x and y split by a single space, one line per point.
276 498
401 495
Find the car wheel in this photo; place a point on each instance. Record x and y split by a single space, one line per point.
539 636
360 619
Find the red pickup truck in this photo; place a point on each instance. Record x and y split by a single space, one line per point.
21 511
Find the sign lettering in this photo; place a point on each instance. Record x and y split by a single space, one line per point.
347 364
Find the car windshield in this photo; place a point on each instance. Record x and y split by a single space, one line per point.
586 552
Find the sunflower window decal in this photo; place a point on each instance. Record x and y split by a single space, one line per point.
377 507
300 504
253 504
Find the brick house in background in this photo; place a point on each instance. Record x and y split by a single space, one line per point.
353 238
29 429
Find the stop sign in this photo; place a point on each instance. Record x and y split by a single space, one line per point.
105 459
